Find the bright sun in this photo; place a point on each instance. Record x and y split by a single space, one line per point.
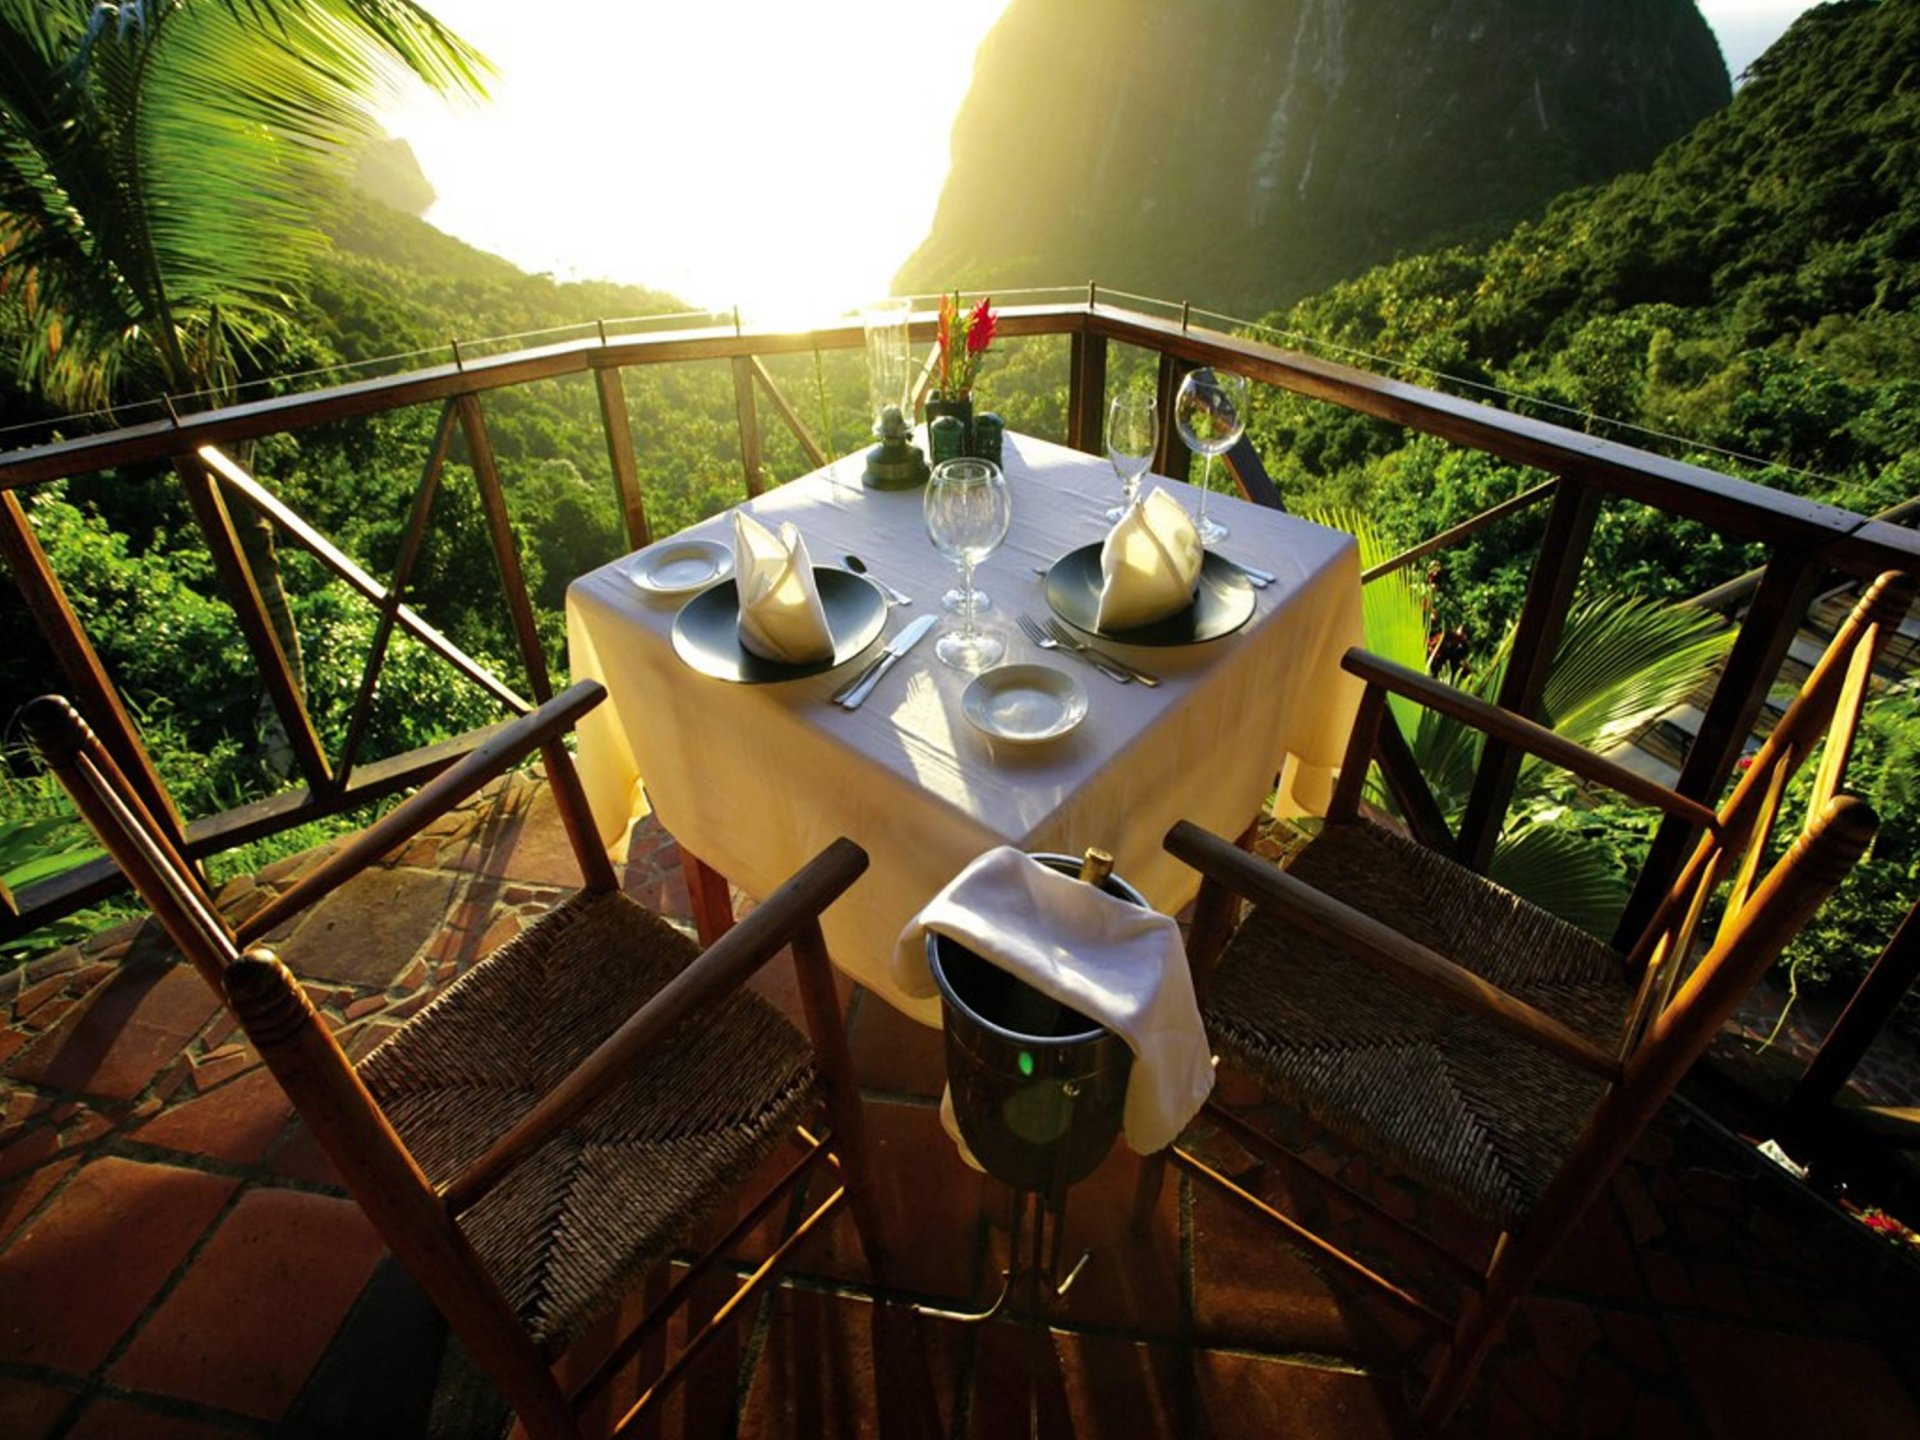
783 157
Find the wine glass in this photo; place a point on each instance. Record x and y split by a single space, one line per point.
968 510
1210 413
1133 428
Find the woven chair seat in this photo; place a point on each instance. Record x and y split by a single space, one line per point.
580 1220
1474 1111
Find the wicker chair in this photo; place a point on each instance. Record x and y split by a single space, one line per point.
1457 1033
532 1142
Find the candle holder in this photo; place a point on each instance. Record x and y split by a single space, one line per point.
896 462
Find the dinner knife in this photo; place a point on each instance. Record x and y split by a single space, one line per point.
851 696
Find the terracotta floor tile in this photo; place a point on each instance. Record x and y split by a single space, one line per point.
368 930
1239 1395
833 1365
1561 1332
1088 1387
29 1410
929 1204
1251 1287
74 1280
530 845
236 1121
1132 1280
108 1419
1597 1258
1753 1383
126 1030
28 1149
18 1198
301 1158
893 1055
779 984
251 1318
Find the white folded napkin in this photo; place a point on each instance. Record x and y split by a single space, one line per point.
1114 962
1149 564
781 617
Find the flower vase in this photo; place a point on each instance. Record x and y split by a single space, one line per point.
961 409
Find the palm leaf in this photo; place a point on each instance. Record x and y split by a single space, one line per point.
1623 662
1563 871
1393 608
158 174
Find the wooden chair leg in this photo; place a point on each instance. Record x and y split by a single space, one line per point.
711 897
828 1029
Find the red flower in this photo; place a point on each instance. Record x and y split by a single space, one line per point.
980 327
964 336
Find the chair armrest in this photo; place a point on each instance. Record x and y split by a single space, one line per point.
1324 918
493 757
1524 734
720 968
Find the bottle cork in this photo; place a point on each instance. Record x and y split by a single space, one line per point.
1095 866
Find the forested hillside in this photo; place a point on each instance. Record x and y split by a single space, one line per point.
1303 139
1751 292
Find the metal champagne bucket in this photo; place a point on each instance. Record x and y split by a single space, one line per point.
1038 1088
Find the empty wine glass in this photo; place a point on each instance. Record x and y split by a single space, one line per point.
968 510
1210 413
1133 428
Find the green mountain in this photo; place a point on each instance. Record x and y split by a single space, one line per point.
1244 153
1752 291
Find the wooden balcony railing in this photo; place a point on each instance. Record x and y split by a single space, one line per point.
1804 541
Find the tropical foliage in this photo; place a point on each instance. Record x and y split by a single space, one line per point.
1621 661
1751 293
158 173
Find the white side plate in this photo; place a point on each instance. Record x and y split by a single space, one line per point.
678 566
1024 704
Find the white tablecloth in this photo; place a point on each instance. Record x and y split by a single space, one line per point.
754 779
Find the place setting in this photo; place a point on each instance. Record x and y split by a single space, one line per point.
968 512
780 617
1152 581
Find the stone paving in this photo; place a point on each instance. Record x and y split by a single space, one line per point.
178 1260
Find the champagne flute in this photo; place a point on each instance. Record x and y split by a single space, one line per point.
968 509
1133 428
1211 414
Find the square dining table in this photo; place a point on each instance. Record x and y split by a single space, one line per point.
753 779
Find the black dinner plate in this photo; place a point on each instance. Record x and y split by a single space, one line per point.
1222 603
706 632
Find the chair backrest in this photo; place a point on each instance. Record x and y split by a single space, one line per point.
1826 709
171 884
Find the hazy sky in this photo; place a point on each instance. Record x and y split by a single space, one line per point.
782 156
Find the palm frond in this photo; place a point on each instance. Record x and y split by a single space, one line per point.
1622 661
1393 607
159 176
1562 870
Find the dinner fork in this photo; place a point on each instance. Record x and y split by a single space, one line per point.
1031 629
1073 642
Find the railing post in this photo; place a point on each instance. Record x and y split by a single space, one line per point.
1087 393
1786 588
1549 592
1846 1043
276 673
619 432
411 540
748 416
784 409
505 554
1174 461
92 692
